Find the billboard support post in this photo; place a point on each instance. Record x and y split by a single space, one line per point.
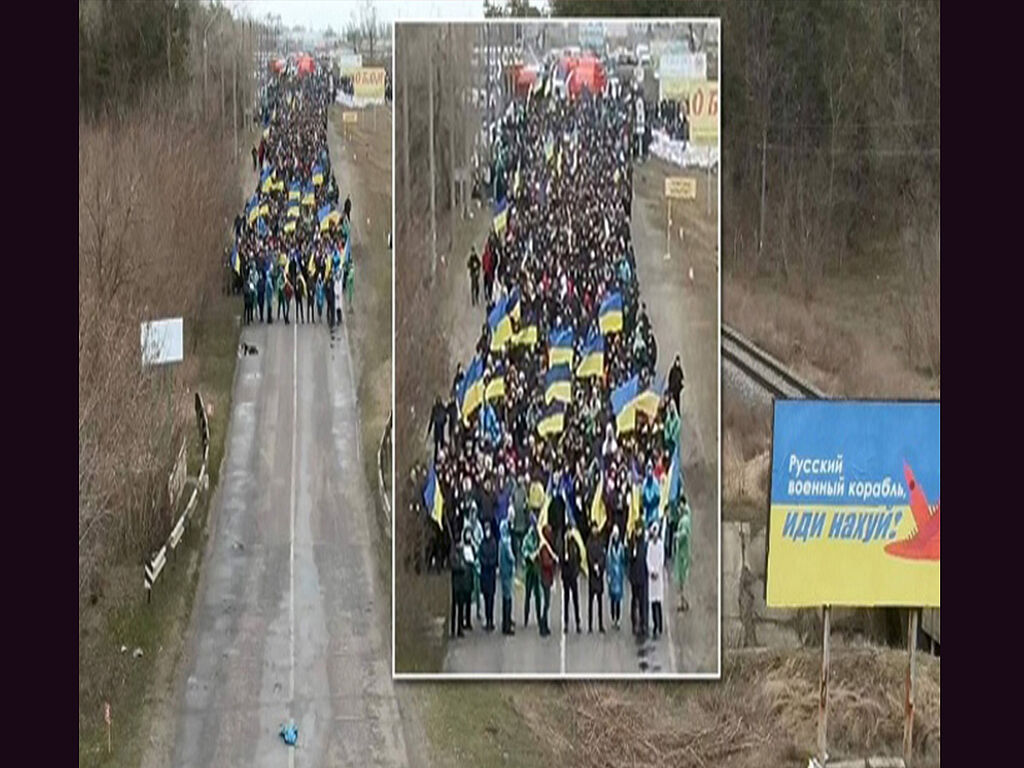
668 231
826 617
908 723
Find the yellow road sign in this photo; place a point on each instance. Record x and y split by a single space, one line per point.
681 187
349 117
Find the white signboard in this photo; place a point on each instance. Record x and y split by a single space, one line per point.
163 341
689 66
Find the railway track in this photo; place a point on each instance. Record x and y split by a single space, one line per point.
763 369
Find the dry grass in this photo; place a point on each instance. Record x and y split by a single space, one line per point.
155 196
762 712
848 339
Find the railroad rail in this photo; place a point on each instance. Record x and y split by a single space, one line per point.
763 369
771 375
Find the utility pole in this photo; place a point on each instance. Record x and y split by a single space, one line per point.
205 30
430 123
234 97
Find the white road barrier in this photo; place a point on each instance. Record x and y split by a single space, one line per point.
155 566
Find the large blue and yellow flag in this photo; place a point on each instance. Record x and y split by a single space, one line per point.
295 192
318 175
308 195
236 261
432 497
553 421
634 520
500 324
610 315
496 384
649 400
501 216
624 405
560 347
514 305
327 216
527 334
558 384
598 514
592 363
471 390
267 180
252 210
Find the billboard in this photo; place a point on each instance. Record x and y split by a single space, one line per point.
368 84
162 341
854 504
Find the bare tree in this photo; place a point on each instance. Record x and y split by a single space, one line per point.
369 27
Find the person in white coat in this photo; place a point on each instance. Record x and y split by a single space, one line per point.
656 579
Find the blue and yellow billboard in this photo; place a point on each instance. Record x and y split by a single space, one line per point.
854 510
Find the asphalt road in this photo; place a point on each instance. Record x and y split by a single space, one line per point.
617 652
283 626
685 317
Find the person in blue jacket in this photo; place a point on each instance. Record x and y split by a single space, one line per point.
651 497
616 570
488 572
507 568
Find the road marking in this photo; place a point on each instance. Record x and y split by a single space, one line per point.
561 663
668 629
291 537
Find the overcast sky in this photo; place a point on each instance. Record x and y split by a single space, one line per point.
319 14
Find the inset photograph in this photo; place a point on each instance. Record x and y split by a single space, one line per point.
557 313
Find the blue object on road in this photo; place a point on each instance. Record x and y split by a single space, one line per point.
290 734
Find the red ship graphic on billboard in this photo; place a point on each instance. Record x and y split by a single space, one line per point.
923 544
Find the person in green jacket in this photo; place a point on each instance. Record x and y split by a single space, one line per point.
531 551
682 551
671 433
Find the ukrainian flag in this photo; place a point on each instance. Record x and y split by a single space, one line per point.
536 497
278 185
293 209
472 389
633 522
496 386
553 421
267 180
326 216
432 498
253 210
526 336
610 315
500 324
308 195
593 356
624 406
236 261
501 216
649 400
264 209
558 384
318 175
598 514
289 226
514 305
574 534
560 347
295 192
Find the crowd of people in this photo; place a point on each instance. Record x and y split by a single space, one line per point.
556 451
292 256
